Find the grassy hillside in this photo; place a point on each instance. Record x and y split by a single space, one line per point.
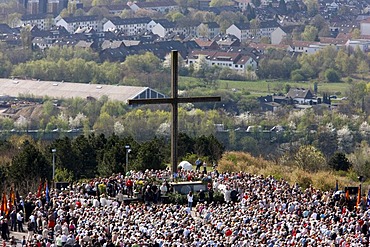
324 180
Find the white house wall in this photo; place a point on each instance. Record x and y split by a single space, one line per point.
365 28
277 36
234 30
109 26
159 30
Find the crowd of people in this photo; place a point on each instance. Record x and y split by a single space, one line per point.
264 211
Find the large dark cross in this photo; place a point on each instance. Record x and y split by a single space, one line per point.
174 101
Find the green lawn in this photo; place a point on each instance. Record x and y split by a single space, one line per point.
263 87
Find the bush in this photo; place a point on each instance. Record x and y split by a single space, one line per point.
332 75
302 178
324 181
339 162
297 75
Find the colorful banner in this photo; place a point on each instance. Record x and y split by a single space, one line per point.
358 197
4 205
47 192
11 198
39 189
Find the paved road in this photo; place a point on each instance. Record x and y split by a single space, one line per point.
18 236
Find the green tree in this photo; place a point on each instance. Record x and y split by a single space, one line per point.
312 7
339 162
151 155
360 160
104 123
86 162
310 159
112 157
356 33
26 38
13 19
327 143
218 3
363 68
208 147
185 145
249 144
310 33
332 75
29 167
65 158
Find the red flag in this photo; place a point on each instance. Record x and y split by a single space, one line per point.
358 197
4 204
347 194
11 198
39 189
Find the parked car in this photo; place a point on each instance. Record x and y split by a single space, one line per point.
277 128
253 128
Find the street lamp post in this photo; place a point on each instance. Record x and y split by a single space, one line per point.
54 150
128 150
361 179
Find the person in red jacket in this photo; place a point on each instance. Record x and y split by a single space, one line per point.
129 186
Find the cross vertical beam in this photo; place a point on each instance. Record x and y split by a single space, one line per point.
174 101
174 109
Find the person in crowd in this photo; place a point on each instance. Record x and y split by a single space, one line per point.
190 198
198 164
4 229
20 221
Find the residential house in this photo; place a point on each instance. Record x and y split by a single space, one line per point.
250 51
301 96
56 6
117 9
112 44
71 24
42 21
227 41
114 9
208 30
260 48
42 43
163 6
35 7
244 31
362 44
365 26
277 36
332 7
242 4
267 103
207 44
203 4
165 28
217 10
86 44
5 30
159 49
233 60
44 39
308 47
129 26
